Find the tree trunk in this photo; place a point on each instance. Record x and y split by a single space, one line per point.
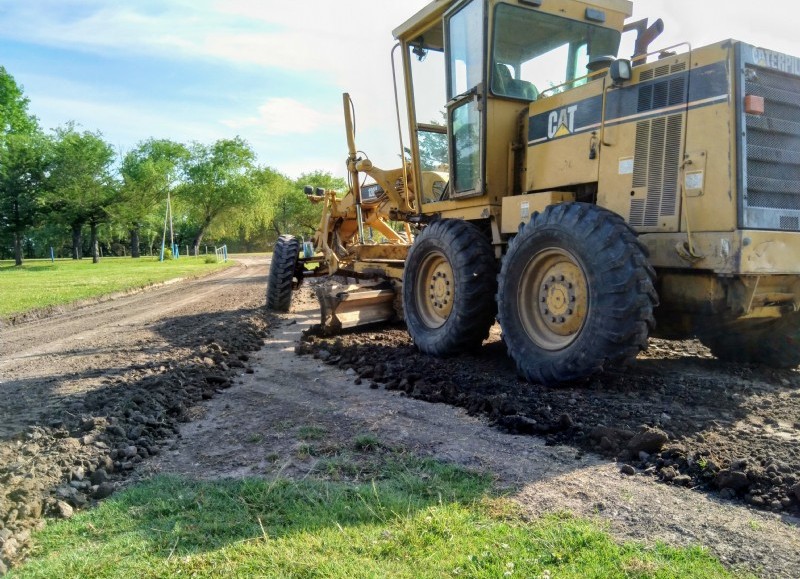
77 251
200 233
135 242
17 248
95 248
196 243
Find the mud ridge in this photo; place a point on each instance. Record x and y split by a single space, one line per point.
677 415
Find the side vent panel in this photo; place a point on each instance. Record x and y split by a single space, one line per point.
656 167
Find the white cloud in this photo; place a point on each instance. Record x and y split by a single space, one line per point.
326 44
123 123
285 116
701 23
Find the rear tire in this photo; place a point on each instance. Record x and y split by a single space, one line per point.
773 343
282 273
575 294
448 284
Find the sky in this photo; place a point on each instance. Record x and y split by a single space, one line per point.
271 72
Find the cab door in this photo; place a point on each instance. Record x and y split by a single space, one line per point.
465 50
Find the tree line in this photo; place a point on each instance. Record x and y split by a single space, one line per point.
71 190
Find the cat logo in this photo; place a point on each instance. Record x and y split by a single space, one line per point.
561 122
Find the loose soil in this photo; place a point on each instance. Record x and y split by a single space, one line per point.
197 379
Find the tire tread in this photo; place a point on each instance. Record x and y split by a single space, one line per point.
280 282
623 307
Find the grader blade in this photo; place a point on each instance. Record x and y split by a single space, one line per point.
349 306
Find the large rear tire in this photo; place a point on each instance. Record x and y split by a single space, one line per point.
282 273
575 294
448 284
773 343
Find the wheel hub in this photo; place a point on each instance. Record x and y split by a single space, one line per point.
435 293
440 292
553 298
558 299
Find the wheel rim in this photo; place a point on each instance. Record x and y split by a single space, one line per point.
553 300
435 290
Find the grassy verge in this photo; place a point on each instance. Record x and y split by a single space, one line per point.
42 283
420 519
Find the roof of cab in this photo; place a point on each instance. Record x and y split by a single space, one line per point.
433 12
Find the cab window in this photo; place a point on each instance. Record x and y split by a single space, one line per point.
534 52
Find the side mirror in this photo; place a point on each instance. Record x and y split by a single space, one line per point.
621 71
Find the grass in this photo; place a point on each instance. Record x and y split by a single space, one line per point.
311 432
42 283
419 519
366 442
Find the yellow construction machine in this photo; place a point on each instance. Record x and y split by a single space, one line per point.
573 196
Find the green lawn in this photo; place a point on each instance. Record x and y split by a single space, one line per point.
419 519
42 283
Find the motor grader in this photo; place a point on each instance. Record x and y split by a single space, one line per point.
583 201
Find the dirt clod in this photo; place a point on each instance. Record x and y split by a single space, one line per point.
649 440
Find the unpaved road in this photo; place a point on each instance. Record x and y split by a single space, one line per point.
195 379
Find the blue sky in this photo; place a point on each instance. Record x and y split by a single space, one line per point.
200 70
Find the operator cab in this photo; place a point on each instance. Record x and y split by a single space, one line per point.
472 62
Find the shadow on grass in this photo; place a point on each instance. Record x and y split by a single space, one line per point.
169 518
27 267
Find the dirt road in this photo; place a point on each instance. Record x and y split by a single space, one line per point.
195 378
58 357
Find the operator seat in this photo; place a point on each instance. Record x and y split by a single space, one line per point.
505 84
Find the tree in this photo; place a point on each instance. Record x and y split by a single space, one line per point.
433 151
220 186
14 116
23 164
149 172
82 189
293 213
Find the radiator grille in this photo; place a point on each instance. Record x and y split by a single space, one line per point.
772 184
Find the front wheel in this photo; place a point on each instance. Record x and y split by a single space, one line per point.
282 273
575 294
448 284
